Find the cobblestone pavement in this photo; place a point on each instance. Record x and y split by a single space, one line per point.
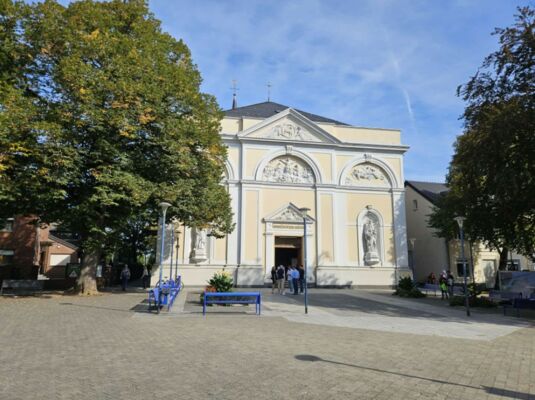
109 347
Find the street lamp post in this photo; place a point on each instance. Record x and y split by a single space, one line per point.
304 214
172 246
460 222
164 206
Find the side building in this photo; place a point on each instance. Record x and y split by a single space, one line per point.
431 254
281 160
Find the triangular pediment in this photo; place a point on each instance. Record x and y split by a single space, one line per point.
289 125
289 213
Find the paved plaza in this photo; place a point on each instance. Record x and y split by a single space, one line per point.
354 344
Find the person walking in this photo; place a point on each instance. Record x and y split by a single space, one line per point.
295 280
280 279
125 276
301 278
273 279
450 282
145 277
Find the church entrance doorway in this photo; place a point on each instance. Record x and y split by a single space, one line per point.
288 250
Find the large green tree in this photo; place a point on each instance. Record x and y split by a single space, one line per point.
492 173
101 117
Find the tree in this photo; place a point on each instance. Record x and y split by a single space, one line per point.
492 173
116 123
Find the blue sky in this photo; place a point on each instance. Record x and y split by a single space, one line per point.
377 63
373 63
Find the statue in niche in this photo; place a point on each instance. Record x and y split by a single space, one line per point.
198 244
370 237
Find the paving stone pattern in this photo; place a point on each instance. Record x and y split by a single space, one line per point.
109 347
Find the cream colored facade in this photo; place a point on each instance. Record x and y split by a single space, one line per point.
350 178
430 253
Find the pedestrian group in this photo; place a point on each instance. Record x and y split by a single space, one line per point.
294 275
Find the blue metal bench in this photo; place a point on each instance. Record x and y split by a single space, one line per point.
428 287
232 298
506 299
164 294
519 303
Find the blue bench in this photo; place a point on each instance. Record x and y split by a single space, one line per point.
428 287
232 298
519 303
506 299
164 294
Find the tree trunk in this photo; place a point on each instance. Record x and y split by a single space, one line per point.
87 283
503 259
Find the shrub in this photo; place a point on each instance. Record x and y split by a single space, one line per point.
405 283
406 288
221 282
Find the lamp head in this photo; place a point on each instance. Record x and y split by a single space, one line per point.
412 241
304 211
460 221
164 206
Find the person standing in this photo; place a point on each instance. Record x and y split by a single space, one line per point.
450 282
442 283
273 279
145 277
301 278
289 278
280 278
125 276
295 280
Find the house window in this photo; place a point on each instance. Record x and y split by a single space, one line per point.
8 226
414 205
460 272
6 257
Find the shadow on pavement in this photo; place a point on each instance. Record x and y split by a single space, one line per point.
490 390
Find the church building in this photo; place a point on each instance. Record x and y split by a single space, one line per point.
282 160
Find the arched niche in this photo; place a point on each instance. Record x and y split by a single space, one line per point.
370 234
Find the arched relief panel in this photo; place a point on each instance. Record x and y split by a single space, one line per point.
290 166
368 172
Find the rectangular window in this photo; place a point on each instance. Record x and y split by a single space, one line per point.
6 257
460 268
8 226
415 205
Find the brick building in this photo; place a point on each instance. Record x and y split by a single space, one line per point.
28 251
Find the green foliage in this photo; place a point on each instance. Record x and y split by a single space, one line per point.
221 282
492 174
406 288
405 283
101 118
473 301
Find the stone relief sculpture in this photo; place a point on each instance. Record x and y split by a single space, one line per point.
370 235
289 215
365 172
288 131
198 244
288 169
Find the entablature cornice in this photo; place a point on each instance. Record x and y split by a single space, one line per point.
390 148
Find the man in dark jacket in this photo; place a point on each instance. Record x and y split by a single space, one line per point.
301 278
